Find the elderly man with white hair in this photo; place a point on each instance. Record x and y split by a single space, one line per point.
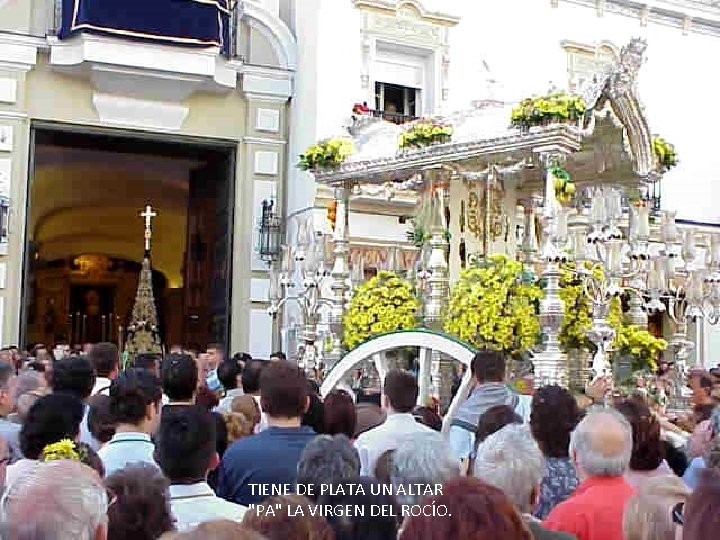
421 462
62 500
600 449
511 460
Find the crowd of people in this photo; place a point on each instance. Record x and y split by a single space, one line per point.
186 446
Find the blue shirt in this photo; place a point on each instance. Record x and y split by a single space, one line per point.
126 449
692 473
268 458
558 483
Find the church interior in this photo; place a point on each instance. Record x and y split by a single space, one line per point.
85 242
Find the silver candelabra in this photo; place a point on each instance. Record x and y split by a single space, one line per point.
306 262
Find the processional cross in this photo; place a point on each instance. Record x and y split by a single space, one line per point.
148 214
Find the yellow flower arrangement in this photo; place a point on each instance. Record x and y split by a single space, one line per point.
641 345
384 303
556 107
493 306
64 449
665 154
563 185
425 133
326 154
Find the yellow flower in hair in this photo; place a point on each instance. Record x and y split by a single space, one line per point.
64 449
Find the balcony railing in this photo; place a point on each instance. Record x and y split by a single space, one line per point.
393 117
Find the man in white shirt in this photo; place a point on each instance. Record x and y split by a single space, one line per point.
135 405
186 453
400 392
105 358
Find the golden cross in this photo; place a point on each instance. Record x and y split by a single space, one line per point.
148 214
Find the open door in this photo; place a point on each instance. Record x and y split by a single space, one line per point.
208 260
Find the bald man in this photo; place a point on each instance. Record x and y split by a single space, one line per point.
600 449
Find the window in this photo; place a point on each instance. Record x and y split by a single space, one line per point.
396 103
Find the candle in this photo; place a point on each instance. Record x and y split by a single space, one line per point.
597 208
670 232
643 223
689 250
613 262
715 250
102 331
562 225
84 321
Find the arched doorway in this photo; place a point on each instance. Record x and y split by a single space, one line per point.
426 341
85 235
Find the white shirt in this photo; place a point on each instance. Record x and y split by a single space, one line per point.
85 435
197 503
374 443
263 424
102 386
225 404
126 449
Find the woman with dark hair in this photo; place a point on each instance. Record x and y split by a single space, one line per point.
100 422
340 415
428 417
554 415
491 421
648 453
475 511
51 419
139 508
135 397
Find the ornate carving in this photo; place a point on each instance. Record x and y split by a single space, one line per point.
621 90
405 29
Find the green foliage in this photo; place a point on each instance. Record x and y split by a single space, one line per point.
326 154
382 304
493 306
665 153
418 235
424 133
557 107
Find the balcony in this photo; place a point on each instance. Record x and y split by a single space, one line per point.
189 24
393 117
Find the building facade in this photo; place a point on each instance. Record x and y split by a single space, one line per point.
103 112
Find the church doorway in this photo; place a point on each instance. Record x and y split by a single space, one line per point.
85 236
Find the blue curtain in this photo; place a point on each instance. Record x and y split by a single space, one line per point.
188 23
